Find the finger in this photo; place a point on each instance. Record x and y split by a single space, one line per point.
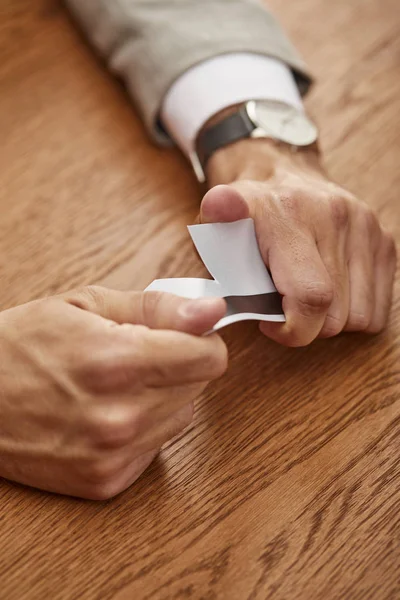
157 310
170 358
164 429
158 404
332 241
361 251
302 279
338 312
138 456
384 275
139 357
223 204
136 357
132 472
124 420
106 487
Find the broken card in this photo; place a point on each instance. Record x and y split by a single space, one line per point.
231 254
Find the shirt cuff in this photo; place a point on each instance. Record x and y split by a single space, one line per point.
219 82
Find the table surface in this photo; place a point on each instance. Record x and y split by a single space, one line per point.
287 485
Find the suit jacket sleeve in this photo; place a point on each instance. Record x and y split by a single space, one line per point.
150 43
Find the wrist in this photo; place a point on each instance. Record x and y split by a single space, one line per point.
262 160
258 159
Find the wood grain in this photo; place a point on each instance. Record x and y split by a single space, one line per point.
287 485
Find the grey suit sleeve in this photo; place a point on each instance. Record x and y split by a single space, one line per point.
150 43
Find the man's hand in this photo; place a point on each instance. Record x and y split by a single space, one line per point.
329 257
92 383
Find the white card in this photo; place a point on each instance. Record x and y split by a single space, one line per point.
231 254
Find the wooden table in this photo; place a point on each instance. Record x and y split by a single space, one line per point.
286 486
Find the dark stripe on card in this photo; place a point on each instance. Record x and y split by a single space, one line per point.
263 304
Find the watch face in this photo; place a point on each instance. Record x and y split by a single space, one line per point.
282 122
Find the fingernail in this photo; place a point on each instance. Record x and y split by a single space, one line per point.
195 308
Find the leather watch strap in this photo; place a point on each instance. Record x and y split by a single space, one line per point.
227 131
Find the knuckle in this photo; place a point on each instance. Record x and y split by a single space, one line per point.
93 291
290 201
91 371
317 295
107 372
340 212
88 298
151 301
113 428
333 326
157 372
358 321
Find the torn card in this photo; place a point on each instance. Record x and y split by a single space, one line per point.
231 254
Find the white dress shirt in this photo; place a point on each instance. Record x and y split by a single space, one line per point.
223 81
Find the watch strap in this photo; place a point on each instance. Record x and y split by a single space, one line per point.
228 130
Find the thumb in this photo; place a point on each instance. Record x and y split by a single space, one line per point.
157 310
223 204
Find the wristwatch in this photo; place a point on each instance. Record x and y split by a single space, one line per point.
255 119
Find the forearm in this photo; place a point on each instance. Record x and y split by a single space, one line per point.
151 44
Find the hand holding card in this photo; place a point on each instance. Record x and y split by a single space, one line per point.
230 253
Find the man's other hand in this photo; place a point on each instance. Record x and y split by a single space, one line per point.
94 382
329 256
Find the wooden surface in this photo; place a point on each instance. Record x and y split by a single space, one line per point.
286 486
